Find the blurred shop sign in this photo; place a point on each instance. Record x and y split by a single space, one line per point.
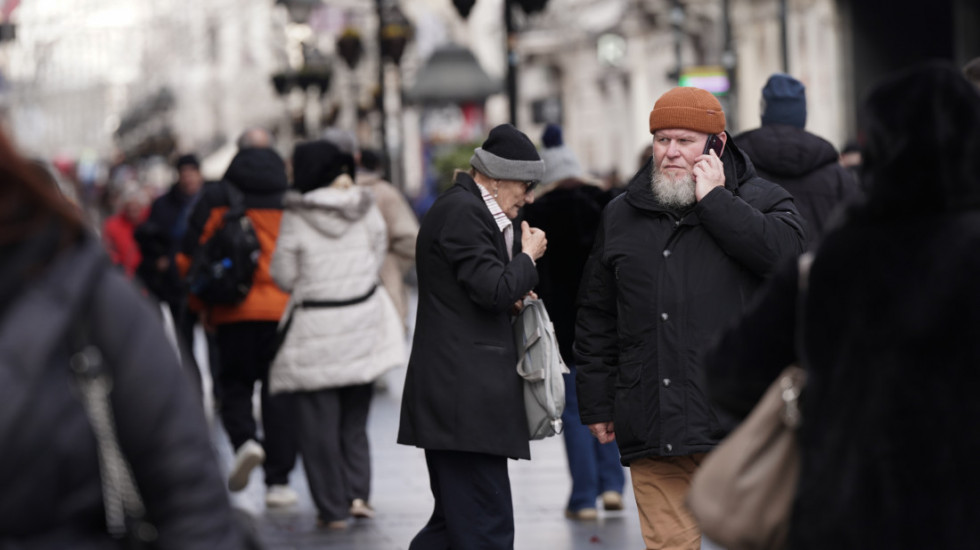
712 78
452 123
546 111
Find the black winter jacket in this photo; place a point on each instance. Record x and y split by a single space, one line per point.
160 235
51 495
807 166
657 288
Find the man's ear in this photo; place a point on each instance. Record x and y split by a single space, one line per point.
723 136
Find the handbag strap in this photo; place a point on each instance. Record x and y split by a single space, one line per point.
120 495
793 381
803 285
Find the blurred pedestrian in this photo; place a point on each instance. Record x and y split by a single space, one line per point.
402 230
887 334
676 258
400 221
60 300
159 239
568 211
342 334
805 164
118 230
463 400
246 332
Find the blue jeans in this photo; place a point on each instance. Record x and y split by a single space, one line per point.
595 468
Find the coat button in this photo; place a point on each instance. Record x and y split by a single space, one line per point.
666 382
666 253
669 447
663 316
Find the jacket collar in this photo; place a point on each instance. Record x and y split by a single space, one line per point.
467 183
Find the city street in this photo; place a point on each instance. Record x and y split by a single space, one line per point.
403 502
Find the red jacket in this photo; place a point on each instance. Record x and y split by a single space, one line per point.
117 234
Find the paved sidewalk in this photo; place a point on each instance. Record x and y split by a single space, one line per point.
403 502
401 498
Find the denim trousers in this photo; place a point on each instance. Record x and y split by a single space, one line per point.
594 468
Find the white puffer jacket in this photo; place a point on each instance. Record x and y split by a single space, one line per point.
330 248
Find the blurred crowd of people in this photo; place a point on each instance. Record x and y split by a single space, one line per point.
674 300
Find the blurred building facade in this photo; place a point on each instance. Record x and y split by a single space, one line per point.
156 77
139 77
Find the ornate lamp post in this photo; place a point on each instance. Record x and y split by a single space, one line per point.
394 32
297 81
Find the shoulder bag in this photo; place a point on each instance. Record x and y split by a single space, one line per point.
742 495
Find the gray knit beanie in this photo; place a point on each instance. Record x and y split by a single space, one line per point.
508 154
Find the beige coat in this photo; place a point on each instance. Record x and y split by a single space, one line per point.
331 247
402 228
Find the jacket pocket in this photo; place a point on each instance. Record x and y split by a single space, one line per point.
491 346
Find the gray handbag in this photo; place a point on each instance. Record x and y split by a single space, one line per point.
541 366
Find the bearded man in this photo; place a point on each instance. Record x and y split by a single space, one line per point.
676 258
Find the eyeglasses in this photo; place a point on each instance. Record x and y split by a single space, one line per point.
530 185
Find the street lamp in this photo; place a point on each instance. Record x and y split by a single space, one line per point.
299 10
395 33
350 47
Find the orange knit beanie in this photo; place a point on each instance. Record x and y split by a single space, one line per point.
688 109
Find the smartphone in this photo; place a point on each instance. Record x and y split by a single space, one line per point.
714 142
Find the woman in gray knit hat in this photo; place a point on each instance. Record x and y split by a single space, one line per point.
463 400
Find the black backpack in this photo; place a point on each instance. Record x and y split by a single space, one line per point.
223 267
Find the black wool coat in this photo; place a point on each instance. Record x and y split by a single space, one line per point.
657 288
807 166
462 390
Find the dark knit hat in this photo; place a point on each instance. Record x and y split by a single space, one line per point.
688 108
784 101
559 161
552 136
317 164
187 160
508 154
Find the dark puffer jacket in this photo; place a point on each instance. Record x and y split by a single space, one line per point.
806 165
51 495
656 289
888 441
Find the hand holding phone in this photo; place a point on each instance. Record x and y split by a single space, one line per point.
709 172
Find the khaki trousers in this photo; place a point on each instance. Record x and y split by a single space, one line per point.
660 485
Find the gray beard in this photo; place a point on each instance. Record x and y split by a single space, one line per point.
675 193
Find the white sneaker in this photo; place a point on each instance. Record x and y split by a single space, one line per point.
248 456
279 496
361 509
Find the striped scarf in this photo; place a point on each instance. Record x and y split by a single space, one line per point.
503 222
